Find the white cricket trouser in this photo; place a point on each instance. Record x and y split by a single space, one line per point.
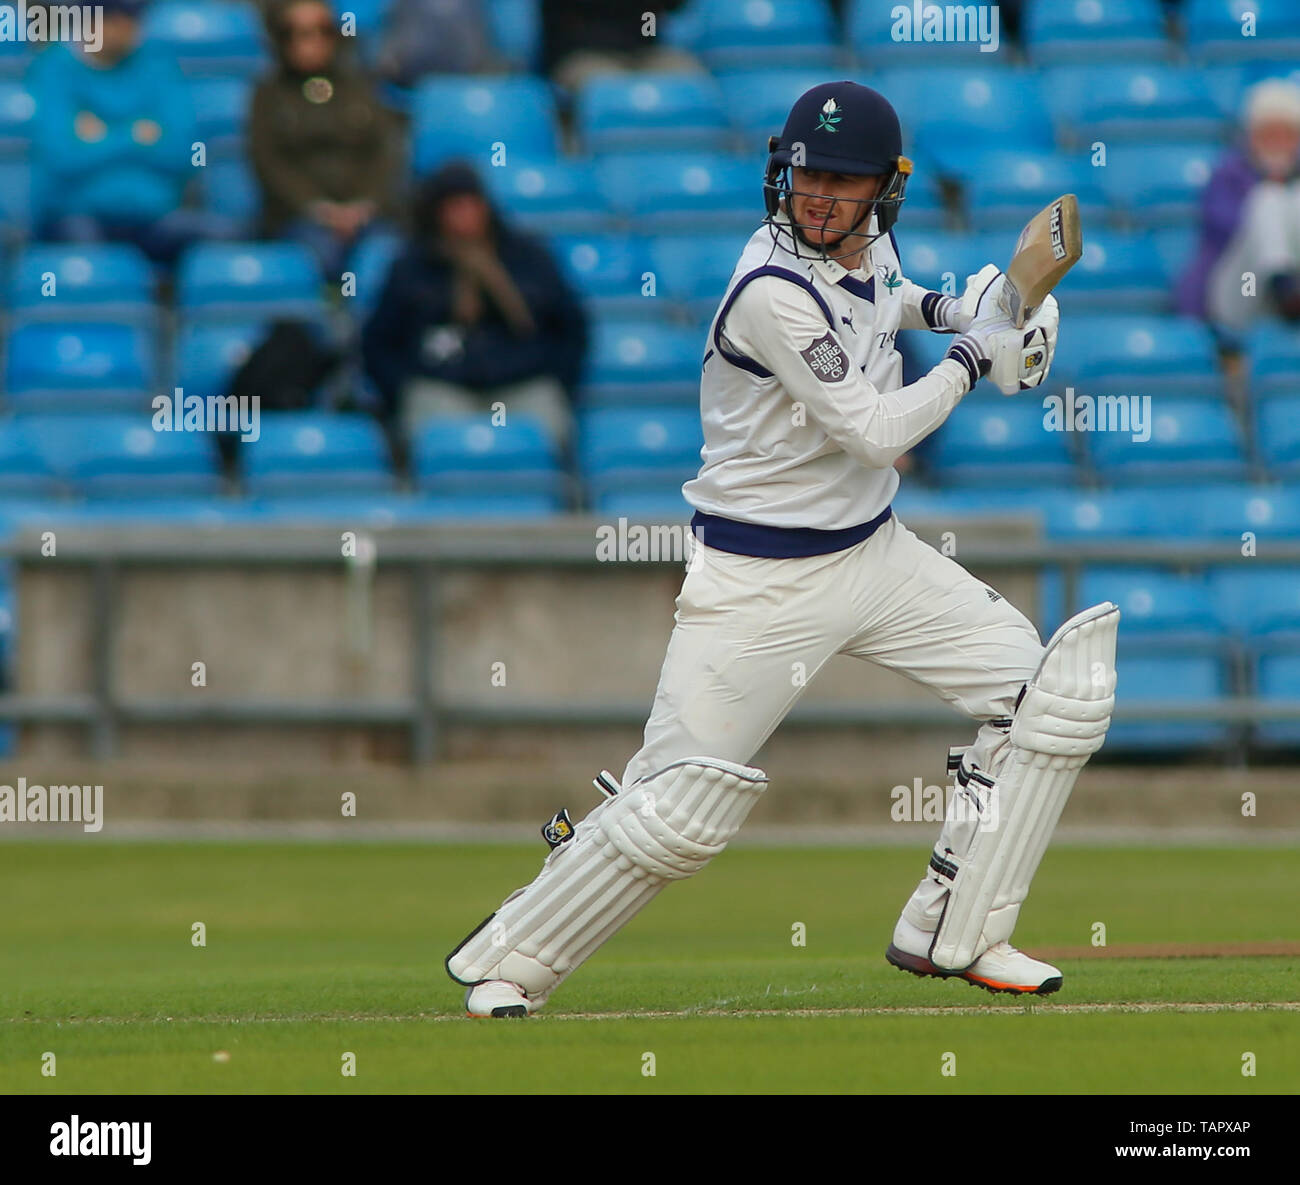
751 633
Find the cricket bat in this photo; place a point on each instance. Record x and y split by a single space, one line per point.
1048 247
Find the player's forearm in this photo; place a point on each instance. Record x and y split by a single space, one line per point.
899 420
877 427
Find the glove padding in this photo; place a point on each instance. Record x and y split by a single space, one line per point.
981 298
1017 359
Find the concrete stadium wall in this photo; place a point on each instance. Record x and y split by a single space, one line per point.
592 636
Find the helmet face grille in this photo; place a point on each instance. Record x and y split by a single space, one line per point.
778 192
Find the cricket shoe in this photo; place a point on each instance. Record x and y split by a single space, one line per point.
496 997
1001 968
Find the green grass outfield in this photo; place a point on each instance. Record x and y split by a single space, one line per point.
317 950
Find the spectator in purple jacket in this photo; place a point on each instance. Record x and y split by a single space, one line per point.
1250 221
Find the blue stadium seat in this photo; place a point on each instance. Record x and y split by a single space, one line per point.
1258 601
650 505
1098 514
1001 444
370 263
1176 245
1217 30
230 188
695 269
1279 433
79 366
935 258
1227 82
647 449
683 191
1190 439
122 456
86 282
1156 184
15 198
392 510
221 108
207 38
1024 502
1218 511
608 270
465 115
872 26
736 33
1118 273
549 198
150 512
926 350
652 112
516 27
243 281
923 207
1274 351
305 452
1153 101
757 100
983 109
17 112
208 356
1137 355
15 55
642 362
1163 677
1278 679
1094 30
1008 188
1155 605
469 456
481 506
369 17
25 470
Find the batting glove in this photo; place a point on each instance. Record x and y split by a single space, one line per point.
981 298
1015 359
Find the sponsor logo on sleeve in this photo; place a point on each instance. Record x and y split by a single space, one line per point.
826 360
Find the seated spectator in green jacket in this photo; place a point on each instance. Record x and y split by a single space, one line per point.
324 147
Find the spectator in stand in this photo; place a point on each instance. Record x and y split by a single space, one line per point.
113 142
323 146
1250 221
435 37
582 39
473 313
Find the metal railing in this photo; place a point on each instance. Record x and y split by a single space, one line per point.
427 558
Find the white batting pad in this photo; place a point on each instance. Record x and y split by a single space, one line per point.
989 854
664 827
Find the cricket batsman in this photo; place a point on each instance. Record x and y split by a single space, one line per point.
800 557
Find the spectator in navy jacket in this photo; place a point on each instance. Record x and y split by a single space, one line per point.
1250 221
473 313
113 142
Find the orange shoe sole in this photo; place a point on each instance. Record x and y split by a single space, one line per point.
918 965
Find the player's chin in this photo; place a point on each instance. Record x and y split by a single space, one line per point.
821 236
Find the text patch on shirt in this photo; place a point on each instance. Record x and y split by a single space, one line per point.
826 360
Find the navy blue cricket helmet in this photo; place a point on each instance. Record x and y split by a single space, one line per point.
838 127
